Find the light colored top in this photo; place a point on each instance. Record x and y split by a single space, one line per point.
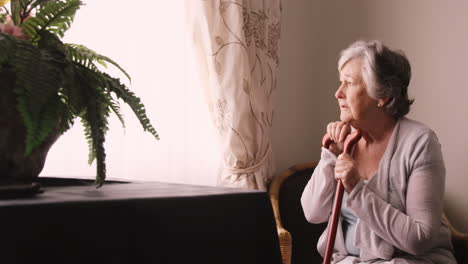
399 209
349 226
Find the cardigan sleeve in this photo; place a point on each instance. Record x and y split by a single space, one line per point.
413 230
317 197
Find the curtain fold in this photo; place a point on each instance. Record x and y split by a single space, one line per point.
236 45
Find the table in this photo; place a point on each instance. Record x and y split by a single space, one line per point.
151 222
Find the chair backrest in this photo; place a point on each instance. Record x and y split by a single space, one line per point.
288 187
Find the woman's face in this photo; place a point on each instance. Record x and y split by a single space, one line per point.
355 103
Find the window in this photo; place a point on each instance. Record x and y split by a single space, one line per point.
150 41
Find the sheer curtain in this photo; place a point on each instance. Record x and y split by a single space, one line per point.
237 44
149 39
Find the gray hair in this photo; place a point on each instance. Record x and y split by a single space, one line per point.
386 73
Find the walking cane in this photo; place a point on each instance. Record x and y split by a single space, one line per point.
348 144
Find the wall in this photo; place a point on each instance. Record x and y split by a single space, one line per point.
434 36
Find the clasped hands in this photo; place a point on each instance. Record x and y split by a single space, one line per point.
345 167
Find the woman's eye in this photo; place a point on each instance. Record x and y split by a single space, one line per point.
346 83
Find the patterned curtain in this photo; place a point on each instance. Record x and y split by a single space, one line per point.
237 44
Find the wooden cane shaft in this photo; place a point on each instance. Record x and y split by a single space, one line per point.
334 224
349 142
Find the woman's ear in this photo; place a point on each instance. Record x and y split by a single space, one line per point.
383 101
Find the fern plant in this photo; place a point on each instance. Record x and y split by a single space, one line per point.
57 82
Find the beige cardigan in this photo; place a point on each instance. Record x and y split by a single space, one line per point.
399 209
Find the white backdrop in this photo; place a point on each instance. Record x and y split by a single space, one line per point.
150 41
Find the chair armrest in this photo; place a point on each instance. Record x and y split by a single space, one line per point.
453 231
285 238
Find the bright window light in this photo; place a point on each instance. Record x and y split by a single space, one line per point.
149 39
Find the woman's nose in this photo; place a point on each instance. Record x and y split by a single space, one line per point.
339 93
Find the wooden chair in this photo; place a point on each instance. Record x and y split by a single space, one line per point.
298 238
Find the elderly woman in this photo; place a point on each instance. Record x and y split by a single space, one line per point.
394 179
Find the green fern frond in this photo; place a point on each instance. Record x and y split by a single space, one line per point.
121 91
115 107
37 3
15 11
89 139
7 49
71 92
95 124
132 100
95 101
86 57
3 15
55 17
68 113
31 126
38 78
81 58
50 119
67 119
95 120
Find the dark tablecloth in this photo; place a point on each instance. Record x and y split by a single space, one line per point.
139 223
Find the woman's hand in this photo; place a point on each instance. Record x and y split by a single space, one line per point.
345 170
338 132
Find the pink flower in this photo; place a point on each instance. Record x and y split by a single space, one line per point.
10 29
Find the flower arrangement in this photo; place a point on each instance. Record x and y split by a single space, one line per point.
56 82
